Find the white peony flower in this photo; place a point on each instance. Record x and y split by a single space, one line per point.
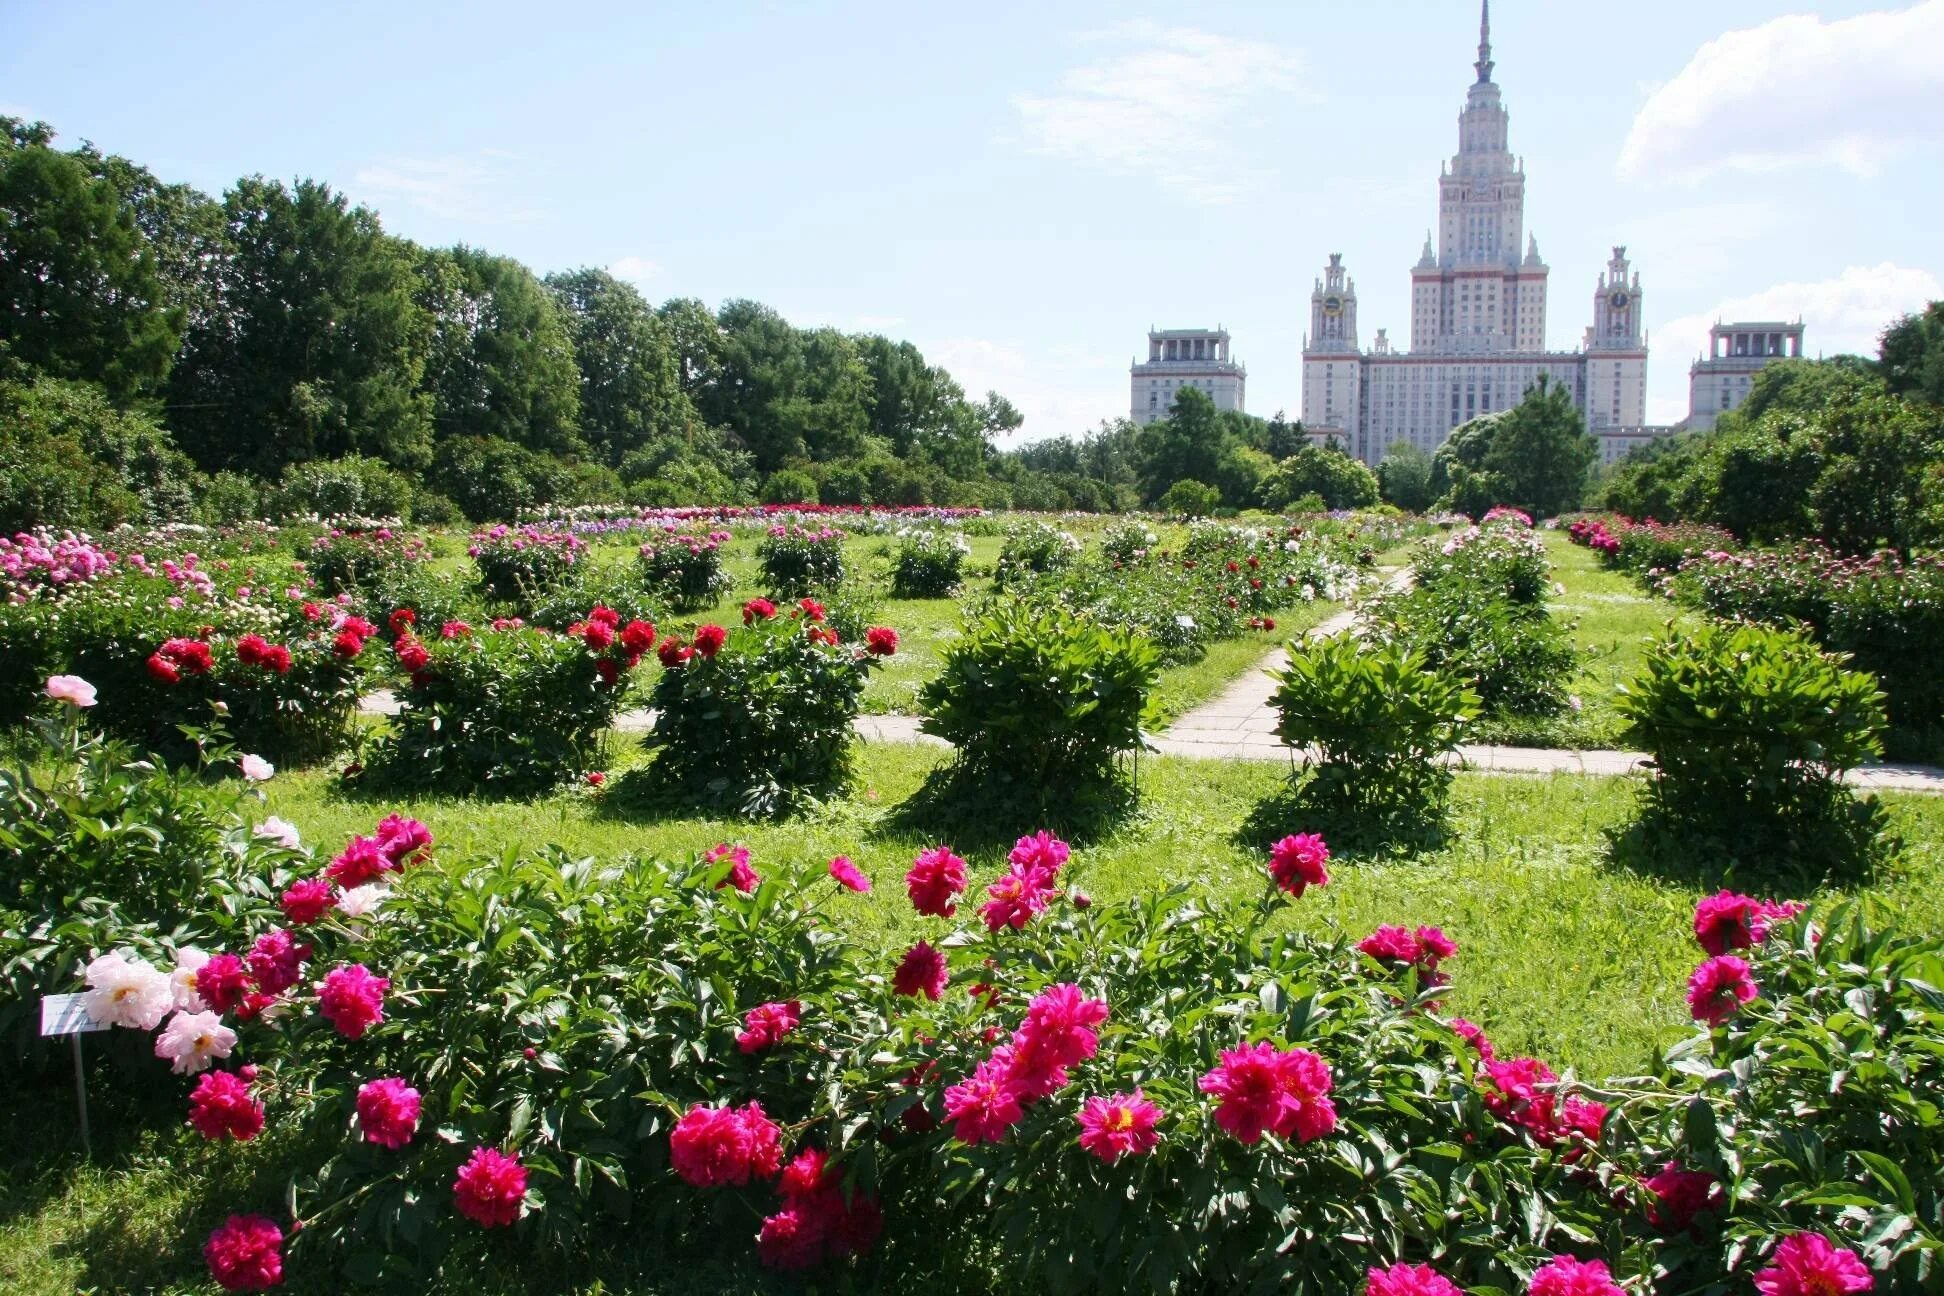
124 990
71 689
255 768
182 981
361 901
192 1041
279 831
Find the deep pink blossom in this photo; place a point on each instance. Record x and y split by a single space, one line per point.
765 1025
1676 1197
848 875
490 1188
223 982
1296 862
714 1147
364 859
352 999
922 971
1718 989
1040 856
1263 1089
935 880
1118 1125
388 1112
403 841
245 1253
277 961
1808 1264
1520 1092
306 901
1473 1034
985 1105
741 875
1409 1280
222 1107
1565 1276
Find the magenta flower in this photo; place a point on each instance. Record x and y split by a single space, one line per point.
1296 863
934 882
765 1025
490 1188
1678 1196
1409 1280
388 1112
848 875
1808 1264
715 1147
222 1107
245 1253
922 971
1565 1276
352 999
1719 988
1119 1125
985 1105
741 876
1263 1089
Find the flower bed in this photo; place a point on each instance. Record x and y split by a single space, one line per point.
798 561
362 560
684 569
518 565
1649 547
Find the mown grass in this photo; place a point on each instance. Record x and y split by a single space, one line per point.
1564 955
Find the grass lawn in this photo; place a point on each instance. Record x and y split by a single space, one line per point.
1563 955
1612 619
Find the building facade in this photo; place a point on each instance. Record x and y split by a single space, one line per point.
1180 358
1720 381
1478 313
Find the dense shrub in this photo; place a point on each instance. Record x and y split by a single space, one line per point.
1516 657
1335 478
684 571
1376 723
354 486
291 698
757 718
1040 698
361 560
1034 548
1502 559
1190 498
1127 541
1751 730
508 711
928 564
1648 547
520 565
799 560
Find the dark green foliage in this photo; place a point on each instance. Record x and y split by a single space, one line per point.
1034 548
1404 478
683 571
1534 456
630 375
501 362
1340 481
1190 498
352 487
927 564
1912 354
801 560
69 458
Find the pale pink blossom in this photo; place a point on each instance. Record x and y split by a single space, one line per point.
123 990
255 768
71 689
182 981
192 1041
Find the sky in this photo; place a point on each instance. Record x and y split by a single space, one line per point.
1022 190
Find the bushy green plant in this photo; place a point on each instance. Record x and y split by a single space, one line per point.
522 565
800 560
290 698
1751 729
1128 541
504 711
352 487
1515 656
1041 698
1375 723
590 585
1190 498
928 564
684 570
1034 548
1501 558
757 719
361 560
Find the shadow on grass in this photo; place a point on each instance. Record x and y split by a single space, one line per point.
1349 817
1841 841
980 809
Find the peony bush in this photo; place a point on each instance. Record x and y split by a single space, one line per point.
799 561
683 569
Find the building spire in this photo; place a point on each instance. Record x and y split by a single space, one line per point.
1484 64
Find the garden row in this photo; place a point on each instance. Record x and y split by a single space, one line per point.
1041 1093
1884 611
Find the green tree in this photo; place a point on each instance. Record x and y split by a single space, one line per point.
1340 481
80 292
1537 454
1186 445
1283 438
319 348
1912 355
502 360
631 389
70 458
697 339
1190 498
1404 477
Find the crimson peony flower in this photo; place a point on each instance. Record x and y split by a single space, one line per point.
401 619
934 881
412 654
765 1025
848 874
607 616
352 999
307 901
245 1254
1718 989
1296 863
162 671
1808 1264
347 645
190 656
388 1112
1679 1196
1041 855
638 637
403 841
1584 1117
673 652
741 876
1409 1280
276 961
1119 1125
985 1105
221 1107
595 778
1725 921
1565 1276
490 1188
222 982
1263 1089
1390 943
709 639
922 971
363 860
715 1147
276 658
1059 1026
598 635
607 670
758 607
810 610
881 641
789 1241
250 649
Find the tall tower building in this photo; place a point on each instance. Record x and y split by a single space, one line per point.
1179 358
1478 312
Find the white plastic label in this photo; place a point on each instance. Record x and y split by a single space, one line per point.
67 1014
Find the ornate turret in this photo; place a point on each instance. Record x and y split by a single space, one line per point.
1484 64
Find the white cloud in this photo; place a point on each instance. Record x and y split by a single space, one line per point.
636 269
477 189
1061 392
1853 93
1160 105
1841 315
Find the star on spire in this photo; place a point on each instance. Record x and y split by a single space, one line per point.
1484 64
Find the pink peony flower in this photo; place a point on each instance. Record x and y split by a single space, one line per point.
71 689
192 1041
1520 1093
1473 1034
1719 988
245 1254
276 961
1014 901
1263 1089
1678 1196
255 768
1119 1125
922 971
741 876
1725 921
789 1241
490 1187
1565 1276
388 1112
715 1147
1409 1280
363 860
985 1105
765 1025
1296 863
935 880
222 982
1040 857
403 841
848 874
309 900
1391 944
352 999
1808 1264
221 1107
816 1219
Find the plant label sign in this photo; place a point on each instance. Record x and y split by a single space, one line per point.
67 1014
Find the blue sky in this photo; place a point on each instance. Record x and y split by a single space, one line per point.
1022 189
